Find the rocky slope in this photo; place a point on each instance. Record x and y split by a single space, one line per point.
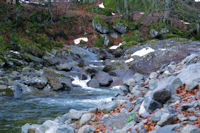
159 87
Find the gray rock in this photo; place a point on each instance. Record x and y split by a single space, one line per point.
176 50
150 104
166 118
66 66
65 129
130 82
156 116
121 28
106 41
167 129
56 81
94 83
100 26
153 75
173 84
181 117
192 118
75 114
154 33
93 110
164 31
138 77
190 129
190 75
193 58
86 129
104 79
107 107
85 118
37 82
162 95
153 84
114 34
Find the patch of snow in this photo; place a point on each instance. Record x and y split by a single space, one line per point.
197 0
163 49
15 52
113 61
95 66
143 52
101 5
185 22
78 40
115 47
129 60
113 14
141 13
96 60
142 110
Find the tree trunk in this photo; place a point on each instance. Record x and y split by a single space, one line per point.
50 11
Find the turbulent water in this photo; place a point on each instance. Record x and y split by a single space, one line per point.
36 109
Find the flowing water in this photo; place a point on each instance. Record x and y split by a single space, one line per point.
36 109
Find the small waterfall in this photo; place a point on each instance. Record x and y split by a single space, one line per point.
81 83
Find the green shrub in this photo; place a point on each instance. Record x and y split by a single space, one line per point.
99 42
166 36
30 47
131 118
101 11
58 44
135 36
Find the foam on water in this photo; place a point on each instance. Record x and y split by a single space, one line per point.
81 83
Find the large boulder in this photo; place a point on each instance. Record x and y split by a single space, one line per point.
162 95
37 82
190 75
101 79
75 114
94 83
66 66
57 81
163 52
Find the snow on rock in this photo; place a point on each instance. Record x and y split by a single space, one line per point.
129 60
185 22
113 14
101 5
143 52
78 40
116 46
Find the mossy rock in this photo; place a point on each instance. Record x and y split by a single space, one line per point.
6 92
31 47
